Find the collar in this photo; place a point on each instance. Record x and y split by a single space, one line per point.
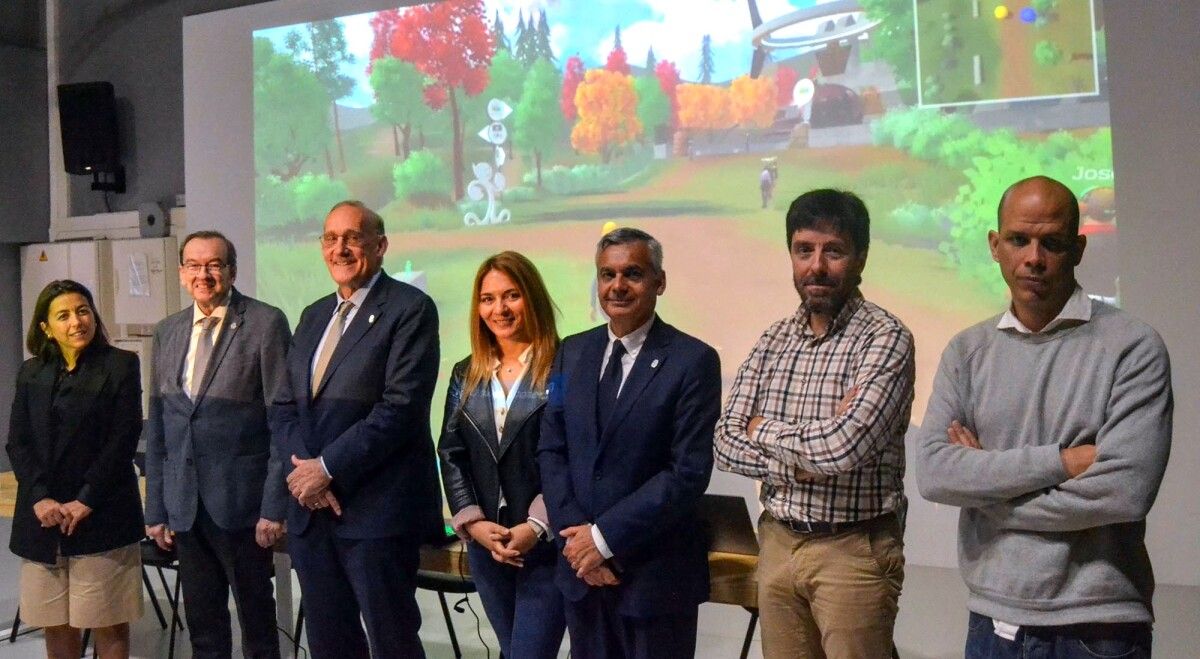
526 355
634 340
359 296
1078 309
218 312
839 321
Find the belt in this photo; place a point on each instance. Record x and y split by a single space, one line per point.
832 528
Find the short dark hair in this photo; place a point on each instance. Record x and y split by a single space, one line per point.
627 235
36 341
370 217
840 210
1072 201
230 250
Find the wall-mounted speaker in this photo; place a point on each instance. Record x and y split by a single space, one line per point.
87 114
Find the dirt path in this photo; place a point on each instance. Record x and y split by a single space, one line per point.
724 285
1016 59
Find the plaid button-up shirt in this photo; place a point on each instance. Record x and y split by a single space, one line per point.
815 464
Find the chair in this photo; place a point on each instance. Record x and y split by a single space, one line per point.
442 583
159 559
16 624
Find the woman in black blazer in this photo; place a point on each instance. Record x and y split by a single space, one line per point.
489 468
75 422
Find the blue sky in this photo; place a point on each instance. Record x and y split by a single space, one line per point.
674 28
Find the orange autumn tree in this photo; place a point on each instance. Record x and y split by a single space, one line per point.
607 106
703 107
752 101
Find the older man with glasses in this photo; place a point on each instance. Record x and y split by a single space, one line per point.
354 420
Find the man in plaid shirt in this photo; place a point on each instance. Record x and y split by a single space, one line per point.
818 414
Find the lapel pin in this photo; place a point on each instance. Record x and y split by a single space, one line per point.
654 364
371 319
233 325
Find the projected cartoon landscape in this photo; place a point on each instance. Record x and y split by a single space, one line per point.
478 126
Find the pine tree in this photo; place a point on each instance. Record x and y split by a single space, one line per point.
520 43
706 60
617 38
651 61
544 49
498 35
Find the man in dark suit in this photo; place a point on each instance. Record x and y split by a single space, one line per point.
355 420
625 454
214 482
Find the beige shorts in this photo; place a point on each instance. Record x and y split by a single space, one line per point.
85 592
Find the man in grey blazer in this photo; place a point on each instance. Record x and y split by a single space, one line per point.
215 485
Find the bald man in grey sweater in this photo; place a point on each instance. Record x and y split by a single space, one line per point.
1050 427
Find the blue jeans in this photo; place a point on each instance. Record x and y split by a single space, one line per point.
1087 641
523 604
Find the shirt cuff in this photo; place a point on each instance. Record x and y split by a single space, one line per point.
601 545
537 511
321 459
464 517
542 531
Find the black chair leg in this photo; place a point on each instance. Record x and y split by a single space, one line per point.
450 626
87 637
298 629
12 634
162 620
174 616
749 634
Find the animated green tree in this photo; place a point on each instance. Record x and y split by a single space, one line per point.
542 45
653 106
706 60
1047 53
324 51
499 38
538 124
394 82
290 113
893 41
651 62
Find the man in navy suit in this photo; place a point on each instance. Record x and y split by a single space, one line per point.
355 421
625 454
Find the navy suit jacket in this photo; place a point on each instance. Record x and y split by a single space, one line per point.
370 418
217 448
640 477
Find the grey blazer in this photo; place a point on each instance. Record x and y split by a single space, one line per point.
217 449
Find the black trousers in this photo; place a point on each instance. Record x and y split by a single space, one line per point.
599 632
343 578
212 562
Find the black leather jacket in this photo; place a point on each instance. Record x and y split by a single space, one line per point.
477 465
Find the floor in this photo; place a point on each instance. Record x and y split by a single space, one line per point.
931 625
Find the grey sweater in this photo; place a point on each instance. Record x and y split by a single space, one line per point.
1034 547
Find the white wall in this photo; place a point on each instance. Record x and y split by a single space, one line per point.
1154 69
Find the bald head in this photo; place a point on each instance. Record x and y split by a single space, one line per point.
1051 191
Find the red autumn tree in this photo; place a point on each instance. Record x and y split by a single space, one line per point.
617 61
382 25
668 78
451 44
572 75
785 80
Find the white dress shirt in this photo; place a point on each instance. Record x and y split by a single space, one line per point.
1078 309
357 298
633 343
219 312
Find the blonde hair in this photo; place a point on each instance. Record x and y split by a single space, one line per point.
538 322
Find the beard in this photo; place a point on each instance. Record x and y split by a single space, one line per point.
827 304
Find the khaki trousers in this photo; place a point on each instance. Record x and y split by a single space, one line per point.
829 595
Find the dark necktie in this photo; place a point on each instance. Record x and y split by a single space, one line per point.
204 346
610 384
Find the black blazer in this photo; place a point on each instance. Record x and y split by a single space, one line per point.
476 464
88 456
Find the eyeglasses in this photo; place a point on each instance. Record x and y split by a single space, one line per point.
352 238
213 268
